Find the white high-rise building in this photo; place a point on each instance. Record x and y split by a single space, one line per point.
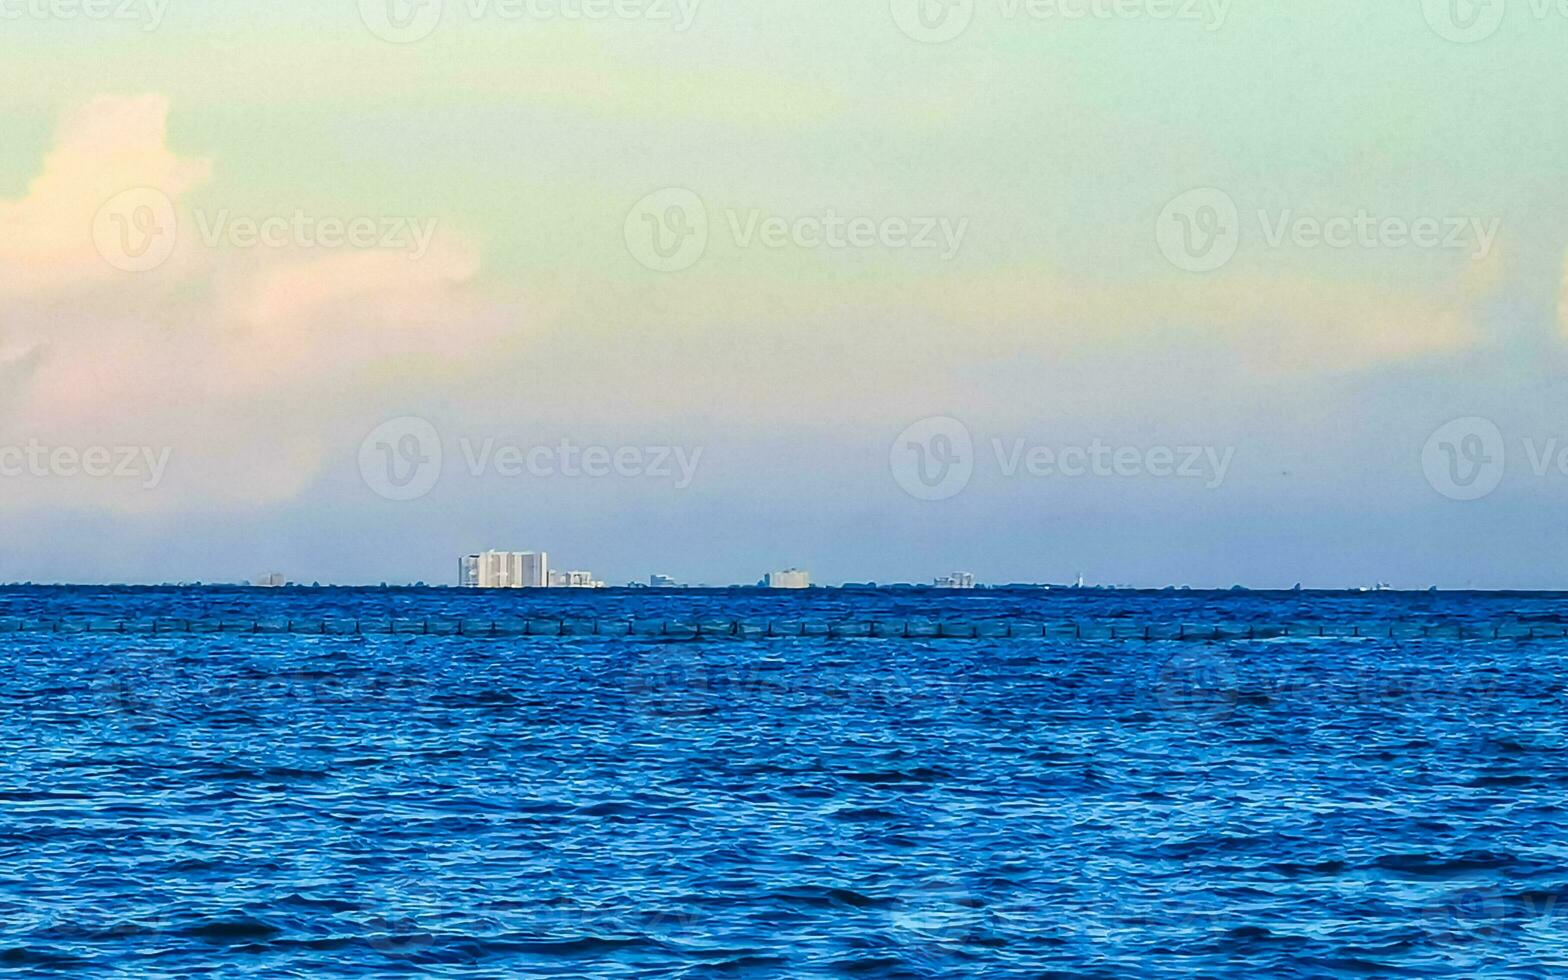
505 570
790 578
534 570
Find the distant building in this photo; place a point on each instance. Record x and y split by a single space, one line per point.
271 580
790 578
662 582
957 580
535 570
505 570
574 580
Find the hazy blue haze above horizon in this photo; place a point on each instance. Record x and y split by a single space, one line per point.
1331 376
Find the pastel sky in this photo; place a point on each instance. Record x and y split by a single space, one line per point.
1312 249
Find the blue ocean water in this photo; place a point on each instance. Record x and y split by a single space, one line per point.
1014 797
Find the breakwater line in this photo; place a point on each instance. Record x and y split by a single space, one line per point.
753 629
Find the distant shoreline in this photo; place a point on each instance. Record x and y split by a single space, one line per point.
892 589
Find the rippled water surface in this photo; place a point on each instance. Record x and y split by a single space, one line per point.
262 803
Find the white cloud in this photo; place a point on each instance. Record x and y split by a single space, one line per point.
243 364
109 146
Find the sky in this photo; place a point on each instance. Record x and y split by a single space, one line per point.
1152 291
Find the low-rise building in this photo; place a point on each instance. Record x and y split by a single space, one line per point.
790 578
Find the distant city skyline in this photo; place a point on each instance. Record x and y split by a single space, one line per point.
501 570
497 569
